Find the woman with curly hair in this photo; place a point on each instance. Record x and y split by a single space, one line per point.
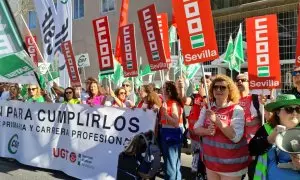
120 98
96 94
171 132
14 92
149 98
225 149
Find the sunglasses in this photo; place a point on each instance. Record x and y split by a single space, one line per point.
31 89
295 73
221 88
68 92
242 80
125 85
290 110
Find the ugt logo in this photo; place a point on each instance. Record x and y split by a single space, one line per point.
194 24
13 144
64 154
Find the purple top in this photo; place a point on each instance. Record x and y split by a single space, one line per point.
97 100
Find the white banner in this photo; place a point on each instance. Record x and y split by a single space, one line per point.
63 32
83 60
81 141
46 13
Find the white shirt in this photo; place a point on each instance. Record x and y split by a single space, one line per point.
237 121
5 95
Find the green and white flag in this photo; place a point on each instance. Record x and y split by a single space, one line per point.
14 61
238 51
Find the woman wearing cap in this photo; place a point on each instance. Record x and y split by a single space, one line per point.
96 94
225 148
70 97
286 111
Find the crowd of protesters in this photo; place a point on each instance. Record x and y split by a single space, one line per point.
228 138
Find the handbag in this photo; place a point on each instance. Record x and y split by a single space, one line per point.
171 136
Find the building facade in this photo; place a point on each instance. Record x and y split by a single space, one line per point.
228 14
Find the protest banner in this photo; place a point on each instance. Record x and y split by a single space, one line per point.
29 41
298 40
152 40
164 34
83 60
196 30
128 47
103 45
81 141
71 63
262 49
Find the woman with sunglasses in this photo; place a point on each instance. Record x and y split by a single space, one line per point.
120 98
171 131
34 94
225 148
96 94
286 112
70 96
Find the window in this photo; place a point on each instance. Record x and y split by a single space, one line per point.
78 9
107 6
32 19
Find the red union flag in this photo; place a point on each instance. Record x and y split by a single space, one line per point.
122 22
32 48
196 30
262 48
103 44
298 40
152 40
71 63
128 47
164 34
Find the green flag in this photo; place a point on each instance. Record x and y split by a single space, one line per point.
238 51
229 52
172 35
14 61
146 70
191 70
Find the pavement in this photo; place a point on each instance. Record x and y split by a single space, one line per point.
13 170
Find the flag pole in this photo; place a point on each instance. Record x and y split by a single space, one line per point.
205 85
38 50
263 110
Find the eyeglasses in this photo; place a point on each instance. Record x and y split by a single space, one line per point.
242 80
221 88
120 93
126 85
295 73
290 110
68 92
31 89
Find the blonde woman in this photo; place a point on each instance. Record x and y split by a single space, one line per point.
225 148
34 94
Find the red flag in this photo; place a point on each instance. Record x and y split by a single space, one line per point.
103 45
196 30
173 19
32 50
71 63
127 41
263 52
152 39
298 40
123 21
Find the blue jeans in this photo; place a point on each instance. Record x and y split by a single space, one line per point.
171 154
